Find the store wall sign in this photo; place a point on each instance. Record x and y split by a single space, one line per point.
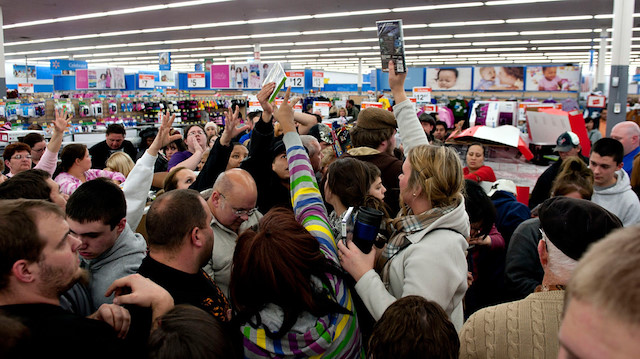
146 81
196 80
25 88
422 94
294 79
219 76
296 108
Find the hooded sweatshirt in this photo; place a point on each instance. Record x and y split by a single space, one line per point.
619 199
119 261
334 335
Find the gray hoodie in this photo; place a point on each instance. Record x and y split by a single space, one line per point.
119 261
619 199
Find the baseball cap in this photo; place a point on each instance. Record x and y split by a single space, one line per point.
502 185
566 142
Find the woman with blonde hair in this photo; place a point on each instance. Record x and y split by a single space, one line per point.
426 254
120 162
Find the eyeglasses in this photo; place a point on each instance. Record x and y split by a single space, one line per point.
19 157
240 212
195 133
40 150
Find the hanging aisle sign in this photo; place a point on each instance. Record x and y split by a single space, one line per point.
253 104
164 61
318 79
596 101
294 79
25 88
196 80
422 94
146 81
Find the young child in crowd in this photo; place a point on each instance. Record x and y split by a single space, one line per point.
487 78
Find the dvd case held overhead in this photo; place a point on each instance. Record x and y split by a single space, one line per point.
391 39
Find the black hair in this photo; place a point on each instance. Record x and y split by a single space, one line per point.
442 123
116 128
97 200
609 147
479 206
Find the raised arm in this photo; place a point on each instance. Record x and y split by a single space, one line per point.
409 126
220 152
193 161
49 158
136 187
307 201
305 121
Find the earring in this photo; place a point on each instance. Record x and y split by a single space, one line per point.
414 194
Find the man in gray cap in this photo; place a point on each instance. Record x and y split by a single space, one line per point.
529 328
567 144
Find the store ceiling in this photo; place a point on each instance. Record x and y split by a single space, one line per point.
299 33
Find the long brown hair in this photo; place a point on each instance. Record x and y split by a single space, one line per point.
279 264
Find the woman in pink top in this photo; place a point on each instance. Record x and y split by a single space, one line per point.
75 169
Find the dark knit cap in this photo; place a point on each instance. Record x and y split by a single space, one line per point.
277 148
374 118
425 117
574 224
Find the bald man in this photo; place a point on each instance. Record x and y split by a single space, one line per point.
628 133
232 204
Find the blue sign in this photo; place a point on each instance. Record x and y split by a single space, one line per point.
199 67
164 61
636 77
67 65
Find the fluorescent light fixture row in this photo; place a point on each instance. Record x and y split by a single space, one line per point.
437 7
548 19
488 34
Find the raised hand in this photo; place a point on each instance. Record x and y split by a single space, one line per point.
164 136
263 98
284 114
62 120
231 129
396 83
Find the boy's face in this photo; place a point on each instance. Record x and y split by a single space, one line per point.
549 73
439 132
488 73
604 169
446 79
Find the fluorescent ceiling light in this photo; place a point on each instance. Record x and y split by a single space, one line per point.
446 44
515 2
491 43
564 48
496 49
415 26
352 13
461 50
277 19
428 37
112 13
309 50
553 32
487 34
437 7
466 23
558 41
547 19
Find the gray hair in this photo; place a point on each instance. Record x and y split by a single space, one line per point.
559 263
309 142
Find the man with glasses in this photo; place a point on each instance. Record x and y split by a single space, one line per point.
232 204
529 328
17 156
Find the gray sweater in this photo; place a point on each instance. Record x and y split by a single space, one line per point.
619 199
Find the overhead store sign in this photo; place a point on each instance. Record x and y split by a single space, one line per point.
146 81
318 79
164 61
67 65
100 79
196 80
296 108
294 79
254 104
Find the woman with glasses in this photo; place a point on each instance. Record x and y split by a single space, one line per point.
75 169
196 141
286 284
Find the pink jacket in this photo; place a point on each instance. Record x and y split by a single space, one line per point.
69 183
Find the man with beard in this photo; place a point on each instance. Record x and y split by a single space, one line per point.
40 262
